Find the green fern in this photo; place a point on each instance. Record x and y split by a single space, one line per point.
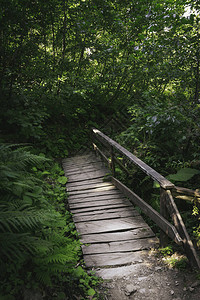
32 233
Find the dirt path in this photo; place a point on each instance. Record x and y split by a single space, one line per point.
149 280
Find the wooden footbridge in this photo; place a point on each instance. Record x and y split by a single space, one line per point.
111 230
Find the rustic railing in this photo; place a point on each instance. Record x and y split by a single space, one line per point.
168 208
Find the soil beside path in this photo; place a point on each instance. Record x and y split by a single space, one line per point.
149 280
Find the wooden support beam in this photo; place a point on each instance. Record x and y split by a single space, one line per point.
186 194
164 212
112 160
180 226
101 154
167 227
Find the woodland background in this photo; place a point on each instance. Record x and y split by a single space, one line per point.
67 66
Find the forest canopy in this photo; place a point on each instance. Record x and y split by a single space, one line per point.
69 65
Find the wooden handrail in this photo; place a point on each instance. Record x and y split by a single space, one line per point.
164 183
168 207
149 211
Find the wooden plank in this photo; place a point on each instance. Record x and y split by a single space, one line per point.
124 246
87 171
98 203
93 190
78 165
94 199
115 259
167 227
88 209
92 175
90 166
165 183
96 194
89 186
134 234
77 162
102 211
105 216
85 182
110 226
187 243
76 158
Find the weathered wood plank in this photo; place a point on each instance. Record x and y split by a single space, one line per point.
98 203
85 182
110 226
122 246
115 259
78 165
88 171
105 216
89 186
94 199
83 161
98 208
92 175
165 183
134 234
90 166
93 190
97 194
108 210
76 158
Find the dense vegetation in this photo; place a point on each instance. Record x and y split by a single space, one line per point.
67 66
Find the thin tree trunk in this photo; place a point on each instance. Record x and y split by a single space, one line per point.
64 30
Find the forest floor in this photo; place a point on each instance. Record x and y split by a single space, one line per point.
152 279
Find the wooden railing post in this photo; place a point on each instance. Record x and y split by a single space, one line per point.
164 213
179 224
112 160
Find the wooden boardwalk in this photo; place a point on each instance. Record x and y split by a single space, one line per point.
111 229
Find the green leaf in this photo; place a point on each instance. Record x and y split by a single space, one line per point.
62 180
184 174
156 185
91 292
27 199
45 173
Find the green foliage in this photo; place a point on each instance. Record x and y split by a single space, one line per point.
38 238
183 174
178 262
166 251
66 67
172 259
62 180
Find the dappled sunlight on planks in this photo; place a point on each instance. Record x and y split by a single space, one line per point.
111 230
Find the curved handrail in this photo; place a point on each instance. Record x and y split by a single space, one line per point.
164 183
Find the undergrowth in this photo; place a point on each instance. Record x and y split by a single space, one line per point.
40 249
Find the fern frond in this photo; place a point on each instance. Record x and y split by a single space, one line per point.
22 221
